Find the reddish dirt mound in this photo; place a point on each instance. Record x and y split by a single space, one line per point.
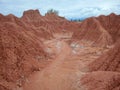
91 30
109 61
3 88
36 24
42 25
47 25
31 15
111 24
102 30
101 80
104 72
20 52
22 49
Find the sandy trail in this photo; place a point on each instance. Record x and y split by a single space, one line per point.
63 74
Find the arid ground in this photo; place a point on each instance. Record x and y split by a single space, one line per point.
52 53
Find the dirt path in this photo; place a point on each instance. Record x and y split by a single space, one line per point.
63 74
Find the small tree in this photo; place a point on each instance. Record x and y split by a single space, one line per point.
52 11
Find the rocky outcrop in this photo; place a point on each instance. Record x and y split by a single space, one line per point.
22 48
51 23
21 51
92 30
104 73
111 24
102 30
109 61
101 80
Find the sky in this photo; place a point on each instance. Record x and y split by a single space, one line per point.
67 8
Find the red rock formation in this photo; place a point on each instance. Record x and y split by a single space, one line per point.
102 30
3 88
109 61
111 24
91 30
101 80
20 51
104 72
51 23
31 15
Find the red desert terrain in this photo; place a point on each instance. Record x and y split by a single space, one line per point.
51 53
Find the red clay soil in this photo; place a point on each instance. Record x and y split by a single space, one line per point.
101 80
21 47
92 30
109 61
20 52
103 30
23 51
3 88
50 22
111 24
104 73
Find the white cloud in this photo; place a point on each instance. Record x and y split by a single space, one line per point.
67 8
